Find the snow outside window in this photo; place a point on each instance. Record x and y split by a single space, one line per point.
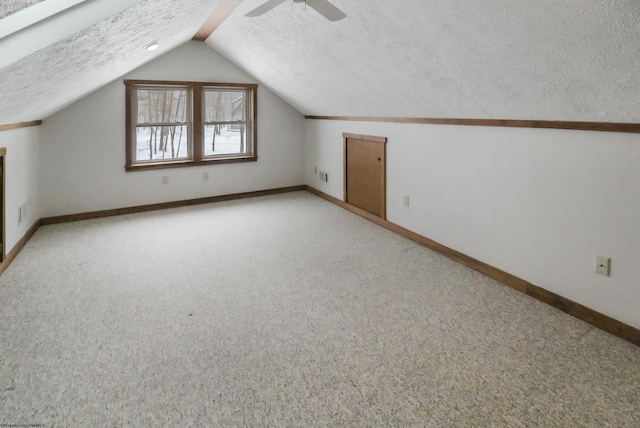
189 123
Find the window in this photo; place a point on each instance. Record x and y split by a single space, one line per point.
171 124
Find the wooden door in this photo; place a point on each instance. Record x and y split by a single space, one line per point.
3 229
364 173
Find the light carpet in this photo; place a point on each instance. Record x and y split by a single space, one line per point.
287 311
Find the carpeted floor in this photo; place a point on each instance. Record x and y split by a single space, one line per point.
287 311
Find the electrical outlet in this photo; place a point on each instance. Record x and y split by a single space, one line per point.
165 180
603 265
406 201
205 176
324 176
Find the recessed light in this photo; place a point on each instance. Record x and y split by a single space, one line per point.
152 46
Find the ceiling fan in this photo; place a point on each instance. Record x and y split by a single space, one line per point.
323 7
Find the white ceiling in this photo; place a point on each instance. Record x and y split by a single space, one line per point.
51 21
498 59
488 59
54 77
9 7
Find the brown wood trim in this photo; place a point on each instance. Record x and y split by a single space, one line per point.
195 94
371 138
383 183
129 119
577 310
254 123
167 205
3 209
185 83
20 125
345 190
19 246
107 213
196 110
544 124
224 9
182 164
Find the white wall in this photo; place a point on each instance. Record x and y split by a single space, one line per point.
83 150
21 180
539 204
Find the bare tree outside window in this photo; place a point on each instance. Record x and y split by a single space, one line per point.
225 122
177 124
161 130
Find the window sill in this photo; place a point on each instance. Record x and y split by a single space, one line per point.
181 164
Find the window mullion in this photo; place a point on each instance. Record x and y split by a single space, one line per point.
132 113
159 115
197 127
252 116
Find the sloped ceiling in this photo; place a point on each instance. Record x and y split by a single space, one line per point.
9 7
52 78
489 59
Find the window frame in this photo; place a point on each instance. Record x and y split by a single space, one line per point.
195 124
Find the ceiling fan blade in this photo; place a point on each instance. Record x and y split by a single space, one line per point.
264 8
326 9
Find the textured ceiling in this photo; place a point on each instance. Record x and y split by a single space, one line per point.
501 59
494 59
54 77
9 7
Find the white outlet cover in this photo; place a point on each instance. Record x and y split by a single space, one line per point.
603 265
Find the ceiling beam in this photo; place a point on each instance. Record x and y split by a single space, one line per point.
224 9
20 125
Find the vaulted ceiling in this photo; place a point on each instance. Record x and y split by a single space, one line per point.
51 78
489 59
9 7
498 59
